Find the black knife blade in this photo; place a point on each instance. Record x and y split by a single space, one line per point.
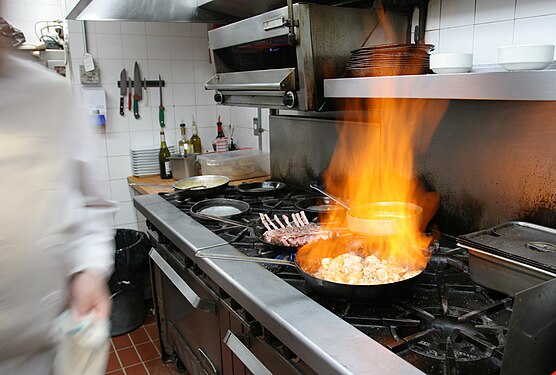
123 90
137 90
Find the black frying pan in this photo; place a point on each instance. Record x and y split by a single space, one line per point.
315 206
308 260
261 188
220 207
200 186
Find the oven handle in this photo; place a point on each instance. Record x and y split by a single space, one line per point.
238 347
180 284
274 86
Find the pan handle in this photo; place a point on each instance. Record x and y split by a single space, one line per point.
222 219
341 203
240 258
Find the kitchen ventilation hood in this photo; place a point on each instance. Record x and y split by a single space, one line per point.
203 11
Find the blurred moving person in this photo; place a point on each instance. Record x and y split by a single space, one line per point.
56 240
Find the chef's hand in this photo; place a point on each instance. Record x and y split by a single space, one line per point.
89 294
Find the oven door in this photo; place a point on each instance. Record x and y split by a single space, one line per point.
186 311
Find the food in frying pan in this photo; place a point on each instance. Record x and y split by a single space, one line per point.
352 269
297 232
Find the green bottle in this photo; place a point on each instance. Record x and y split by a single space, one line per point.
164 157
195 140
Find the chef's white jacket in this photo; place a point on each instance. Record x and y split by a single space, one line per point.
55 217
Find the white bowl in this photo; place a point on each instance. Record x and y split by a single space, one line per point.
526 56
443 63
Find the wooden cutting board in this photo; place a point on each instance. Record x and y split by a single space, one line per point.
155 179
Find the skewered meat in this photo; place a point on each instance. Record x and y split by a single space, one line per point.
297 232
355 270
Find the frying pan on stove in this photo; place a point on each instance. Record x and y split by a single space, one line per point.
309 258
315 206
261 188
220 207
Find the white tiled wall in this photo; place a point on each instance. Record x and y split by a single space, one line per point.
179 53
481 26
26 14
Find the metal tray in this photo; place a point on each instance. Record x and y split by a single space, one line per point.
521 242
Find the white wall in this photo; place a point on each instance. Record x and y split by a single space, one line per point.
481 26
23 14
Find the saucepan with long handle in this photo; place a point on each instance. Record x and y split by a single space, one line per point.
379 218
308 260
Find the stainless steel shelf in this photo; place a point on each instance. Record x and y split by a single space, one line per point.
530 85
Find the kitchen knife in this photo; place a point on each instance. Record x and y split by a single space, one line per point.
137 90
123 90
161 107
129 94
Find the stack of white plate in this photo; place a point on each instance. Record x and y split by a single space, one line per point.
144 161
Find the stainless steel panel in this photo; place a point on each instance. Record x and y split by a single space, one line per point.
531 85
240 8
257 80
502 274
144 10
242 352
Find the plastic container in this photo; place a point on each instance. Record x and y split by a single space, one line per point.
236 165
126 283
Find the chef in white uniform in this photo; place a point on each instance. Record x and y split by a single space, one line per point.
56 241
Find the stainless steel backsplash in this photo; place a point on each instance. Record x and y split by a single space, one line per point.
491 162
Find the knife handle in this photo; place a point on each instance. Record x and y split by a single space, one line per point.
136 107
121 106
161 115
129 101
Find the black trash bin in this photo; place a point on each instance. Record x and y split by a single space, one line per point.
126 283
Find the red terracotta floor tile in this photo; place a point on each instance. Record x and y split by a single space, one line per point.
136 370
147 351
152 330
121 342
139 336
157 345
113 363
157 367
150 319
128 357
117 372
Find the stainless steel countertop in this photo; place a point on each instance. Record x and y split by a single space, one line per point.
325 342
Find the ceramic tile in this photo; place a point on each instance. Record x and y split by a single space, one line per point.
136 370
202 95
144 122
110 70
494 10
147 351
183 114
113 362
182 71
157 28
199 30
102 169
433 37
492 36
158 47
74 26
199 48
203 71
184 94
125 215
243 117
224 112
137 28
120 190
139 336
117 144
107 27
206 115
455 13
121 342
162 67
76 44
115 122
532 8
119 167
135 46
536 30
180 48
111 46
459 39
141 138
180 28
116 372
433 15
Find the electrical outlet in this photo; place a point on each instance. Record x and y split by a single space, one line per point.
91 78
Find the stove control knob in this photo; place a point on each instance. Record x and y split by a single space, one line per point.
289 99
218 97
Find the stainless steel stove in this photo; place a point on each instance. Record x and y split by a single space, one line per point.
445 324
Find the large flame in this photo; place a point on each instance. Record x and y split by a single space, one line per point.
374 162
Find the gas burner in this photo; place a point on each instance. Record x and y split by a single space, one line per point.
457 335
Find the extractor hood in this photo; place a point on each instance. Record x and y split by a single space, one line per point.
204 11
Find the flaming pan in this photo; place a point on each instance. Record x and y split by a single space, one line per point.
309 259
